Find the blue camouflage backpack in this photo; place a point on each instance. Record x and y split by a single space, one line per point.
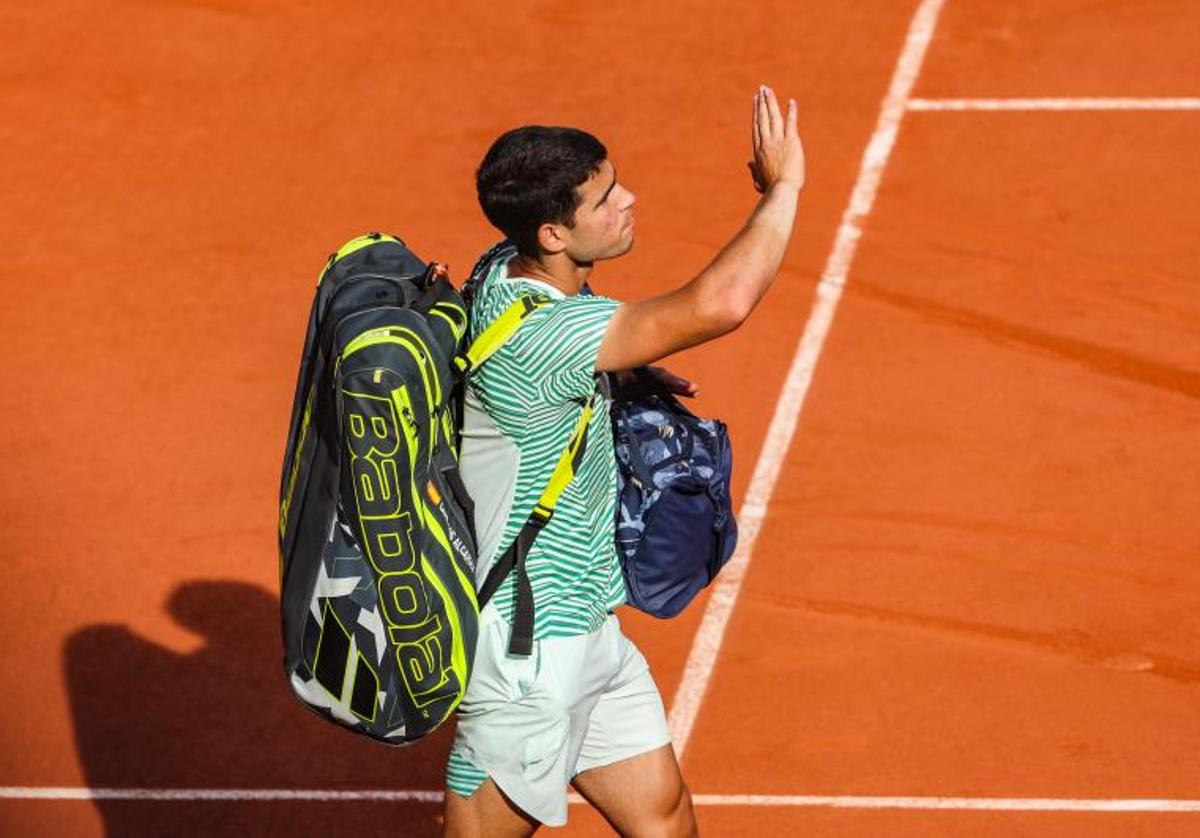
675 523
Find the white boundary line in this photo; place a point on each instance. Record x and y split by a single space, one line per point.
961 803
709 636
242 795
986 804
1076 104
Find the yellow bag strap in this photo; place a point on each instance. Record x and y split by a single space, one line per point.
499 331
564 471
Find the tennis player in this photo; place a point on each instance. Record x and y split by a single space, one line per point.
582 709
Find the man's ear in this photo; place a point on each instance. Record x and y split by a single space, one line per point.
550 238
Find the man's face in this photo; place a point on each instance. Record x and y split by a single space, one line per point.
603 220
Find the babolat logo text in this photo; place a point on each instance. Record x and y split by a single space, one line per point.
416 633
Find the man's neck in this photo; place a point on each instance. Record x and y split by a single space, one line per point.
556 269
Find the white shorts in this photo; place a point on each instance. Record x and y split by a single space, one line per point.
531 724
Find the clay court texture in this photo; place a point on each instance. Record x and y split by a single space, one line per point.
967 597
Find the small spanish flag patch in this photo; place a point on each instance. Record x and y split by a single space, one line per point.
434 494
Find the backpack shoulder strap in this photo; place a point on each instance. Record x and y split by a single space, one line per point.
499 332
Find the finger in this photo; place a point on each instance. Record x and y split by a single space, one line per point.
792 130
776 116
682 387
666 376
755 129
764 115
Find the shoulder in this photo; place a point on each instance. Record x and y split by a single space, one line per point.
574 312
497 291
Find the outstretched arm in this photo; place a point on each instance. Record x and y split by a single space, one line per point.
722 296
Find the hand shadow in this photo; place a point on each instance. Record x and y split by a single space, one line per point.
223 717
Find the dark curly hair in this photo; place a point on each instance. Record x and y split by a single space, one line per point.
529 177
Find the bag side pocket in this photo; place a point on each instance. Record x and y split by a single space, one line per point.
678 545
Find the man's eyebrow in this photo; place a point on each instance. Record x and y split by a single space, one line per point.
604 197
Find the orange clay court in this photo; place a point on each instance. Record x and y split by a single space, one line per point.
967 598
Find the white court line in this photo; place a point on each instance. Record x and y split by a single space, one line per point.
986 804
87 793
707 642
1076 104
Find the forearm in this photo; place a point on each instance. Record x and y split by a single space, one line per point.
731 286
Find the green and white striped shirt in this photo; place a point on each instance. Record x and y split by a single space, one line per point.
521 408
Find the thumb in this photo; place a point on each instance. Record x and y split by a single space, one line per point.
758 184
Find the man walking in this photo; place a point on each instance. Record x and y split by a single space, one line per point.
582 708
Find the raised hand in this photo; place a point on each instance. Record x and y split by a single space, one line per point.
778 152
